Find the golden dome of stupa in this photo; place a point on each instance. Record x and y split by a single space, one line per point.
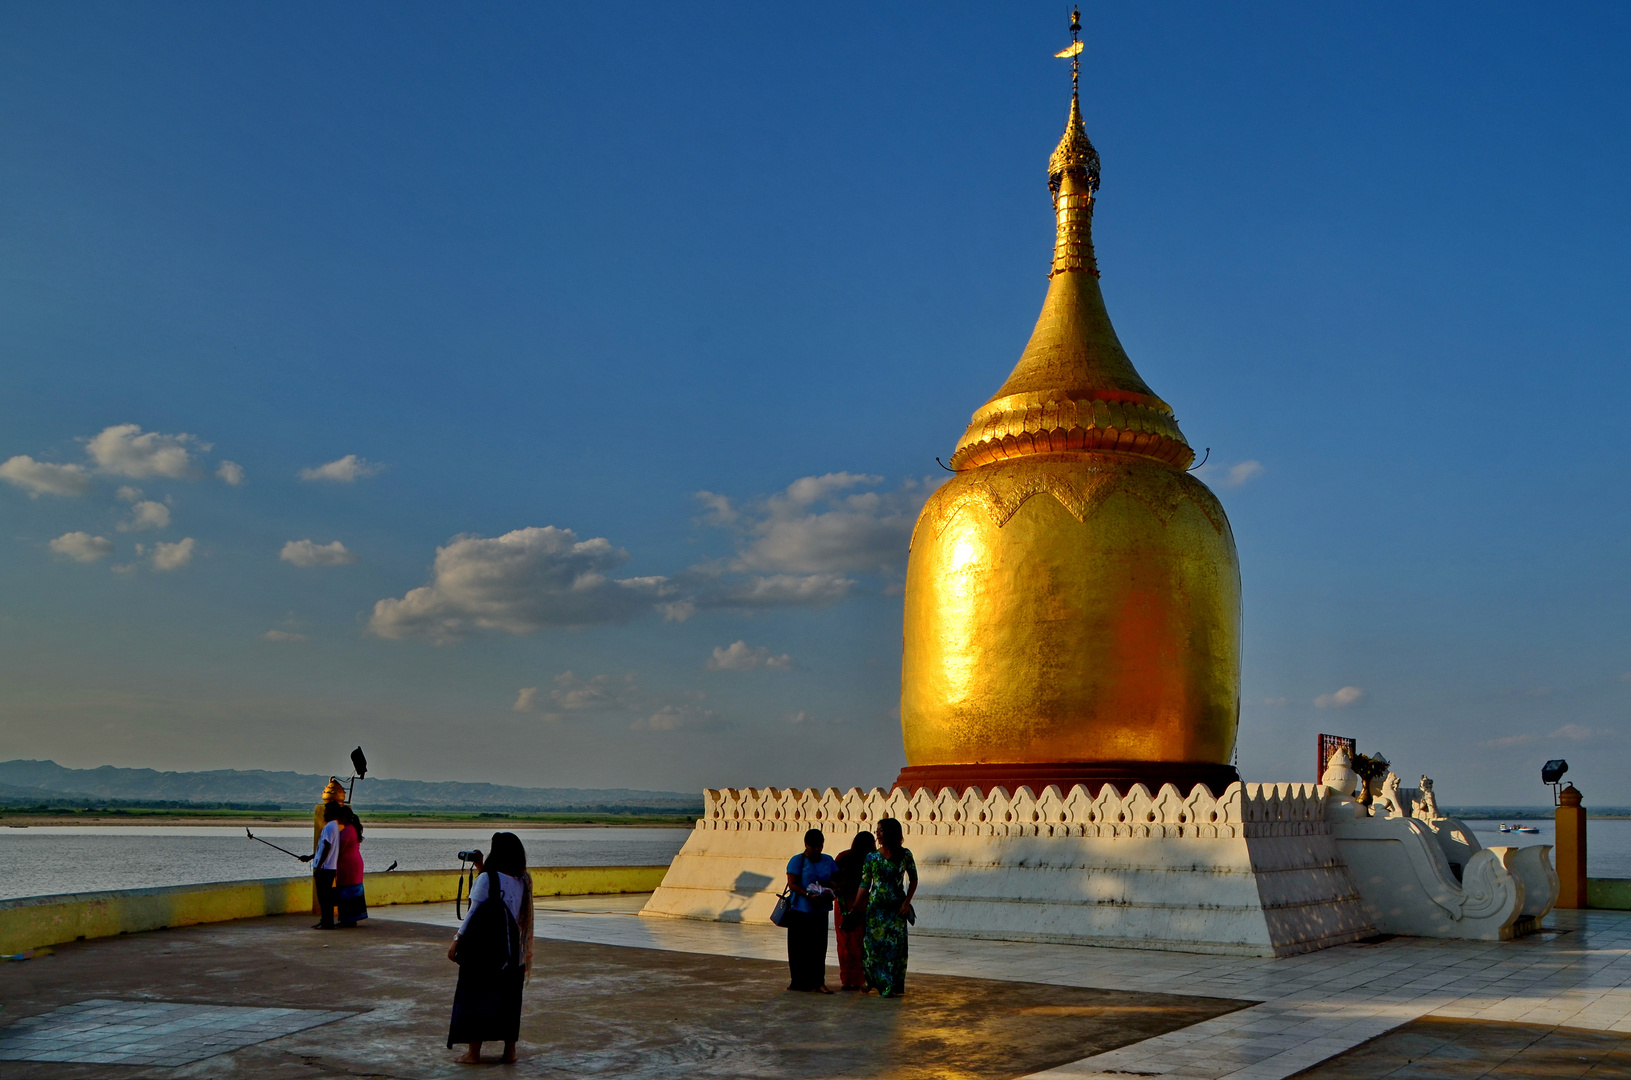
1072 609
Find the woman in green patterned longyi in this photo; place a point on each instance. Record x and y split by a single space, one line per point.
888 883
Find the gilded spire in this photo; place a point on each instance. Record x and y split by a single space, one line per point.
1074 388
1073 177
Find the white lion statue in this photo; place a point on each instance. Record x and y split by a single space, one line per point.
1390 798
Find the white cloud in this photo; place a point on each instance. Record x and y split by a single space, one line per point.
307 553
146 515
173 556
779 590
675 717
43 478
1509 740
230 473
740 656
283 635
128 493
1237 475
123 450
81 546
821 525
802 718
613 695
344 470
677 610
1276 702
795 549
1341 699
601 693
718 510
1571 732
519 583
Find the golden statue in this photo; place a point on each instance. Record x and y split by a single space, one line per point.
334 792
1072 595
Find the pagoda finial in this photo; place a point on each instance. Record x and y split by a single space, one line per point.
1075 50
1073 173
1074 152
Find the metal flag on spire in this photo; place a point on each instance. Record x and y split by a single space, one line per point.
1073 51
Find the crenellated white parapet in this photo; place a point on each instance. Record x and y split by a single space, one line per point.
1242 810
1250 870
1264 869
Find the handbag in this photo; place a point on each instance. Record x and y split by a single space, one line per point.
492 943
783 911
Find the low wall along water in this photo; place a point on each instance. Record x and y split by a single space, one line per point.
36 921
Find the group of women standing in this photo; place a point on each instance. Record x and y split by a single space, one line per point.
337 869
870 887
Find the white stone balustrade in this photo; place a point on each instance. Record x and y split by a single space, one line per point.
1270 869
1243 810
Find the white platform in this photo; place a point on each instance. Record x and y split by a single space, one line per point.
1252 872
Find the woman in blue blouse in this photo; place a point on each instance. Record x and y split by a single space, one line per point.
807 876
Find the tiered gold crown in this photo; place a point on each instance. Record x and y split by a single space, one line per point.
1074 389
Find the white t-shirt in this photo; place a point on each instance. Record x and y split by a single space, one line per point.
510 890
327 856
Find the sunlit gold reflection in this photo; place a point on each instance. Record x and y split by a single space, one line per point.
1073 594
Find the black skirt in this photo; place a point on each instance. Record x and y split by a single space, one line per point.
486 1007
807 949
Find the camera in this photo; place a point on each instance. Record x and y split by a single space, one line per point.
469 856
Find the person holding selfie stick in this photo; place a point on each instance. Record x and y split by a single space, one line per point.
325 861
807 876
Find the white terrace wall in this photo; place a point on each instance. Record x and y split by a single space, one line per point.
1250 871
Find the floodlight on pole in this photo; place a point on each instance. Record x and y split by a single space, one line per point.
1552 773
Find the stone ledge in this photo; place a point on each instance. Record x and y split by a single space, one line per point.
33 921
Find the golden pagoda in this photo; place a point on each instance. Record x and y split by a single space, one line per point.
1073 594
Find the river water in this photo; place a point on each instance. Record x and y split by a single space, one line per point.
44 860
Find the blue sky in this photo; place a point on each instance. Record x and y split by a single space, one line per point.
711 287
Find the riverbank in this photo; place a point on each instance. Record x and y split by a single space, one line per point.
44 860
15 818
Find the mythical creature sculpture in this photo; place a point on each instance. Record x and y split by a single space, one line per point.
1427 807
1390 798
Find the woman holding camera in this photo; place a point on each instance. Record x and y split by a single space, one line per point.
493 949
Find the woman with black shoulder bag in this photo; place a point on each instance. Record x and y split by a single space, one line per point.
493 949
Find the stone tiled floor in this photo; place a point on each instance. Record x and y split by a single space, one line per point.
590 1010
1311 1008
1439 1049
159 1033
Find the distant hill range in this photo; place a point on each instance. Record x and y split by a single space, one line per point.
31 783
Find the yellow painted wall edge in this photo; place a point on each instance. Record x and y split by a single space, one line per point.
36 921
1613 894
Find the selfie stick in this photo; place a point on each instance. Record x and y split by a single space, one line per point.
269 843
